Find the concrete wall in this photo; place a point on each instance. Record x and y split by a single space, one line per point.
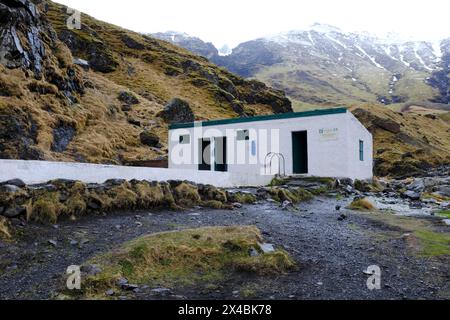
32 172
333 146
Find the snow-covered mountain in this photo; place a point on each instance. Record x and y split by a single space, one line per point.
325 65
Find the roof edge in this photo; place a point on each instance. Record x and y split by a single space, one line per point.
279 116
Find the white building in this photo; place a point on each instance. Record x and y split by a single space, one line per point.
321 143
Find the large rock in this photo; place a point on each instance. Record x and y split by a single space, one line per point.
128 98
177 111
387 124
149 138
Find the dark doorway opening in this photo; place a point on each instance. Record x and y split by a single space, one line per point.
205 155
300 152
220 154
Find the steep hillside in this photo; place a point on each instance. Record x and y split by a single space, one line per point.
406 143
326 66
98 94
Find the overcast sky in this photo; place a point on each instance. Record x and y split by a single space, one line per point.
234 21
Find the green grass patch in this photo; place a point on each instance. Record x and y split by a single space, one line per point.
424 239
444 214
433 243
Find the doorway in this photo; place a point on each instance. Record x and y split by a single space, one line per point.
205 155
220 154
300 152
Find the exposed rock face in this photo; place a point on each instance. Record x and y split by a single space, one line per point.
62 136
18 133
177 111
21 32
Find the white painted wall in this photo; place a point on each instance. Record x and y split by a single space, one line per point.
333 155
32 172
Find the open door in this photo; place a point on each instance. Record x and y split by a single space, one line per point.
205 155
300 152
220 154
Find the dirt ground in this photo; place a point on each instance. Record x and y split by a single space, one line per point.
332 255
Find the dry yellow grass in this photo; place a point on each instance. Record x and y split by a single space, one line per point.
5 232
362 205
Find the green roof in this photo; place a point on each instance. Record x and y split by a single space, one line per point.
313 113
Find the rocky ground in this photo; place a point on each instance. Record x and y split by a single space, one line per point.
332 246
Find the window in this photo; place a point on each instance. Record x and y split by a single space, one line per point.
361 150
243 135
254 148
185 139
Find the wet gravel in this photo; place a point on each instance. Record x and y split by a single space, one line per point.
332 255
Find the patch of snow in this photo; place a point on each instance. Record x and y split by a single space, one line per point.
420 58
336 41
311 38
371 58
437 49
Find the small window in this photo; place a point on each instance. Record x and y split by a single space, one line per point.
254 148
361 150
185 139
243 135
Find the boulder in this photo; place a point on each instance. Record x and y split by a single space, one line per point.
14 211
412 195
418 186
177 111
443 190
132 43
387 124
149 138
14 182
128 98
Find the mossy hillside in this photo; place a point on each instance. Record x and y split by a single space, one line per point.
185 258
419 143
102 129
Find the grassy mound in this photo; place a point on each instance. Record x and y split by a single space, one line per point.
185 258
362 205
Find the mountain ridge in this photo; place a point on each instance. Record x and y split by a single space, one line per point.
326 66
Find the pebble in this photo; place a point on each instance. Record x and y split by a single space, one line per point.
110 292
161 291
53 242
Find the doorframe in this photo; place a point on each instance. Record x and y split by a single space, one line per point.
221 167
295 147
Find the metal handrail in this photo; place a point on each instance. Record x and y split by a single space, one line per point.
281 160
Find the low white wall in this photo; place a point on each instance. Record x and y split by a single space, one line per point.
32 172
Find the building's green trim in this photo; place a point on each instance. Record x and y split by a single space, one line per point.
280 116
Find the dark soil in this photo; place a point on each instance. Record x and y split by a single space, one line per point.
332 255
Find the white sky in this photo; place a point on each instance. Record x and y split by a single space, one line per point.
234 21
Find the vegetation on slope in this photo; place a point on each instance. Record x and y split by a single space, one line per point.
406 143
74 113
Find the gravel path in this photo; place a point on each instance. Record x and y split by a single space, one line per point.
332 254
